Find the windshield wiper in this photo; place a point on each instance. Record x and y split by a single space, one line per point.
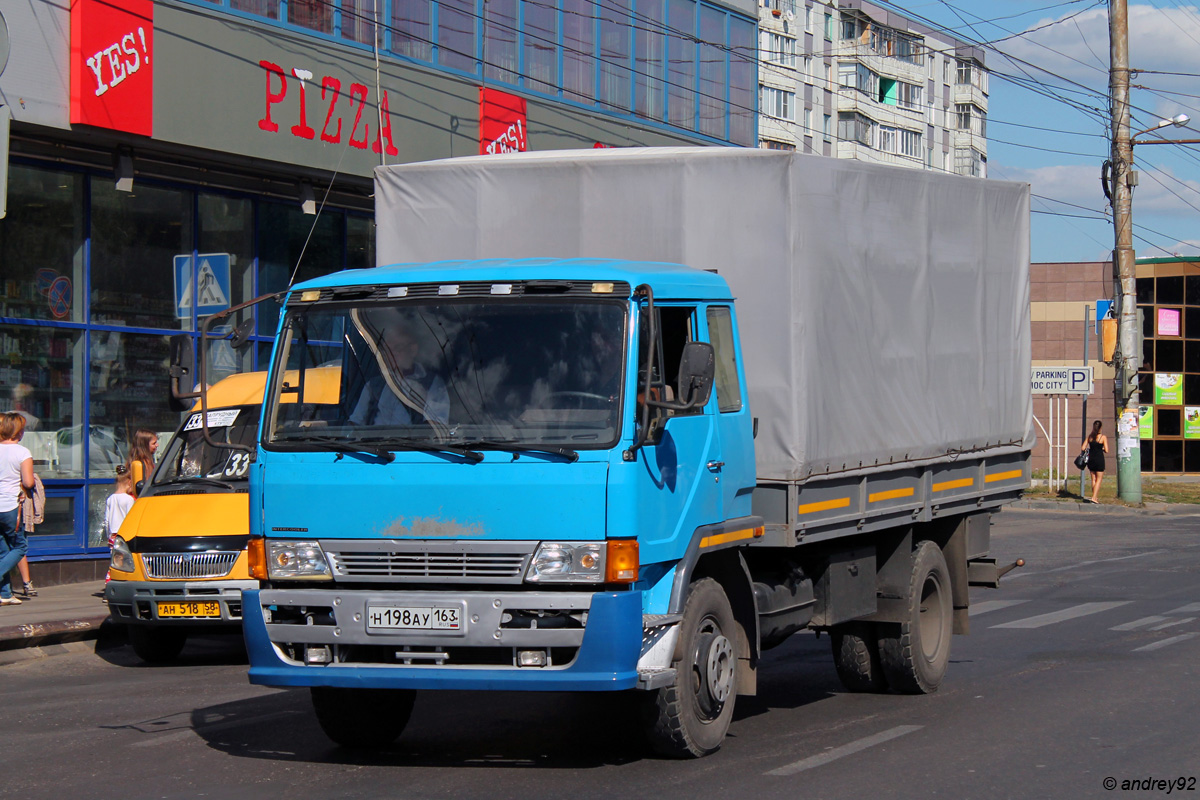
339 446
513 446
198 479
424 446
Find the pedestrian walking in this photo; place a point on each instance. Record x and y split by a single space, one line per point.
1096 445
16 474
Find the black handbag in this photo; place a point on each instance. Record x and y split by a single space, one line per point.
1081 460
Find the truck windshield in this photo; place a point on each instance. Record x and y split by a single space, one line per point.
430 376
190 457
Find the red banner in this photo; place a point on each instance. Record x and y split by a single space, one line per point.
502 123
112 80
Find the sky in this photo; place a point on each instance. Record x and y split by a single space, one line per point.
1049 118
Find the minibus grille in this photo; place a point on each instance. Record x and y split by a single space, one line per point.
432 567
189 565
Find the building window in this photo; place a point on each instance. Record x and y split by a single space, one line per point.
316 15
615 53
910 95
971 74
456 34
971 118
768 144
969 161
541 47
910 143
579 72
500 40
778 103
412 33
779 49
681 61
742 81
808 128
828 26
888 139
827 127
854 127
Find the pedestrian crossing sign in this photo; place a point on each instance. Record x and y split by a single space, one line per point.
210 287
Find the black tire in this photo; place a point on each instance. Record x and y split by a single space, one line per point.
157 645
363 719
856 656
690 718
914 654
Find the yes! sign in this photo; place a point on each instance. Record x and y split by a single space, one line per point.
502 123
112 83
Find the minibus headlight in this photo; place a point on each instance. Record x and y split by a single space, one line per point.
567 562
292 560
121 559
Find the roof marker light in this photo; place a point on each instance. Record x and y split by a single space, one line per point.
310 295
602 288
398 291
450 288
501 288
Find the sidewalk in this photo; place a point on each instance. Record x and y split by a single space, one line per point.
52 621
1075 505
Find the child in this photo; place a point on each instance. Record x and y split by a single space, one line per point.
118 504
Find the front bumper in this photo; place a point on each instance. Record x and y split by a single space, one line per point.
281 625
136 602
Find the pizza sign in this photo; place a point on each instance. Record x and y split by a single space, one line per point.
112 82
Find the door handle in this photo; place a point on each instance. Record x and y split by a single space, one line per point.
715 466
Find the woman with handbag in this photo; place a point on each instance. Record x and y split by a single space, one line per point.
1095 445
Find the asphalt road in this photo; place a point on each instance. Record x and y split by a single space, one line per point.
1082 667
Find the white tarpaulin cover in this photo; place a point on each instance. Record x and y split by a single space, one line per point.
884 312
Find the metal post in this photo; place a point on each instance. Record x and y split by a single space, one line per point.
1083 424
1126 361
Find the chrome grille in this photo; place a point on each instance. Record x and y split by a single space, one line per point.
189 565
473 566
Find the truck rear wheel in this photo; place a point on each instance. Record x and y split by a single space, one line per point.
363 719
157 645
690 718
914 653
856 656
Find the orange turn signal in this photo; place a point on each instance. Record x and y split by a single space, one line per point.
621 561
256 552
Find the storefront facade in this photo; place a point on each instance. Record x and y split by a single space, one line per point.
170 159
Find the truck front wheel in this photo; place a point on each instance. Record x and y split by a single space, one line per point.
914 653
690 718
157 645
856 656
363 719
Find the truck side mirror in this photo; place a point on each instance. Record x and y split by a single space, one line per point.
183 358
697 367
241 334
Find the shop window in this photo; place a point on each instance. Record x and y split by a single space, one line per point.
98 494
316 15
135 239
1168 421
1147 452
1169 290
681 67
358 21
57 530
1147 318
500 40
1146 386
1191 356
360 242
1191 390
579 47
41 375
226 232
1145 291
616 42
1168 455
541 46
712 72
41 246
456 34
1191 323
128 391
1168 354
412 32
1148 352
1191 291
1191 456
285 247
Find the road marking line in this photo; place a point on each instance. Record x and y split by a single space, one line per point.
993 605
1137 623
1081 610
1014 576
845 750
1190 608
1183 637
1173 622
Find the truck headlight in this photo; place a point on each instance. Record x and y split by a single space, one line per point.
121 559
288 560
567 562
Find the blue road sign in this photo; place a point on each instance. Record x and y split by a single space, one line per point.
1103 309
211 288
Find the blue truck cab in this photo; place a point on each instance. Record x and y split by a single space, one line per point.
511 490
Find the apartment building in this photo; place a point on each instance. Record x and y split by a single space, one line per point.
851 80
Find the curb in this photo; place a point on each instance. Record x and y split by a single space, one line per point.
39 634
1149 509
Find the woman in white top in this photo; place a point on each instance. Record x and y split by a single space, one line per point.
16 473
118 503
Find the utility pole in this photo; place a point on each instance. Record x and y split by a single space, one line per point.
1126 360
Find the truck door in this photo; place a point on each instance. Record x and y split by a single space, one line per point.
734 466
674 488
